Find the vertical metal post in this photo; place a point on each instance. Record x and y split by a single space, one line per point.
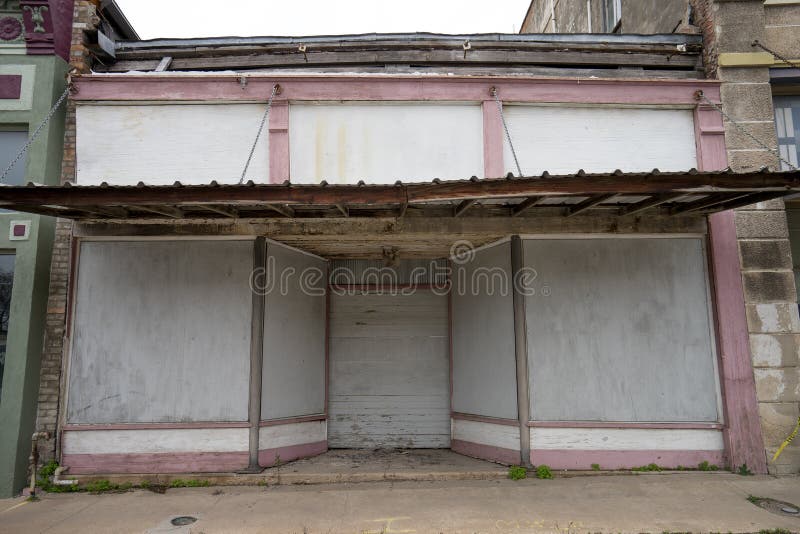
521 352
256 353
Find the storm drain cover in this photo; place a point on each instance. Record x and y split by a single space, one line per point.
183 520
775 506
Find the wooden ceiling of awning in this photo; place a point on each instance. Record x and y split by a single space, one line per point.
692 192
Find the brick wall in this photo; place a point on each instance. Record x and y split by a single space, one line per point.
50 383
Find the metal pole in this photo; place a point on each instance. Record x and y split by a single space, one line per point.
521 352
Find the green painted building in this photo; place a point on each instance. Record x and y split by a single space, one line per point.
34 48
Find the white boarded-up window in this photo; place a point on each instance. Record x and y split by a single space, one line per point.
623 332
161 332
562 140
159 144
383 143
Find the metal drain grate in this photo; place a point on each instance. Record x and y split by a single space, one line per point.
775 506
183 520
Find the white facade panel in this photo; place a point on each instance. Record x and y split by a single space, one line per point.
383 143
159 144
562 140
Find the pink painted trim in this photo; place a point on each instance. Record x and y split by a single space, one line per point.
484 419
10 86
742 434
154 426
292 420
279 142
486 452
186 462
267 457
433 88
709 134
603 424
493 165
583 459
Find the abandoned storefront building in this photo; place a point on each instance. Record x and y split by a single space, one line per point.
514 246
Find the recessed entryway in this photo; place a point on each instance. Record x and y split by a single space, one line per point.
389 370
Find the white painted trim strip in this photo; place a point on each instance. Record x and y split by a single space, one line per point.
273 437
156 441
504 436
626 439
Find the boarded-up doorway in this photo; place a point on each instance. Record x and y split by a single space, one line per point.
389 370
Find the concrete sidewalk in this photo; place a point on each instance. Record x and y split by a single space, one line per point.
686 502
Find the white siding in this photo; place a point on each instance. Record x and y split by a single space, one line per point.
504 436
383 143
389 371
159 144
562 140
620 439
156 440
276 436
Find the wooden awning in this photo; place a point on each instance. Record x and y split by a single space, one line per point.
692 192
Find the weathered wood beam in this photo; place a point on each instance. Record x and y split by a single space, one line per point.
284 210
108 211
447 56
746 200
649 203
167 211
222 210
164 64
462 208
706 202
523 206
343 210
589 203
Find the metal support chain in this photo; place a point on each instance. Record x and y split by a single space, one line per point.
789 62
275 89
35 133
493 92
700 96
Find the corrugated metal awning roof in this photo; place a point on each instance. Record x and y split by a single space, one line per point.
691 192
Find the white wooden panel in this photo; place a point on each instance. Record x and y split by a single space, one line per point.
162 440
625 332
159 144
383 143
293 375
161 332
389 371
562 140
272 437
640 439
484 361
505 436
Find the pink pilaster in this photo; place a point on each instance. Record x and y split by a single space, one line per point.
279 142
742 432
709 135
492 140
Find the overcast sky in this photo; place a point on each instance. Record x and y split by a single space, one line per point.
207 18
